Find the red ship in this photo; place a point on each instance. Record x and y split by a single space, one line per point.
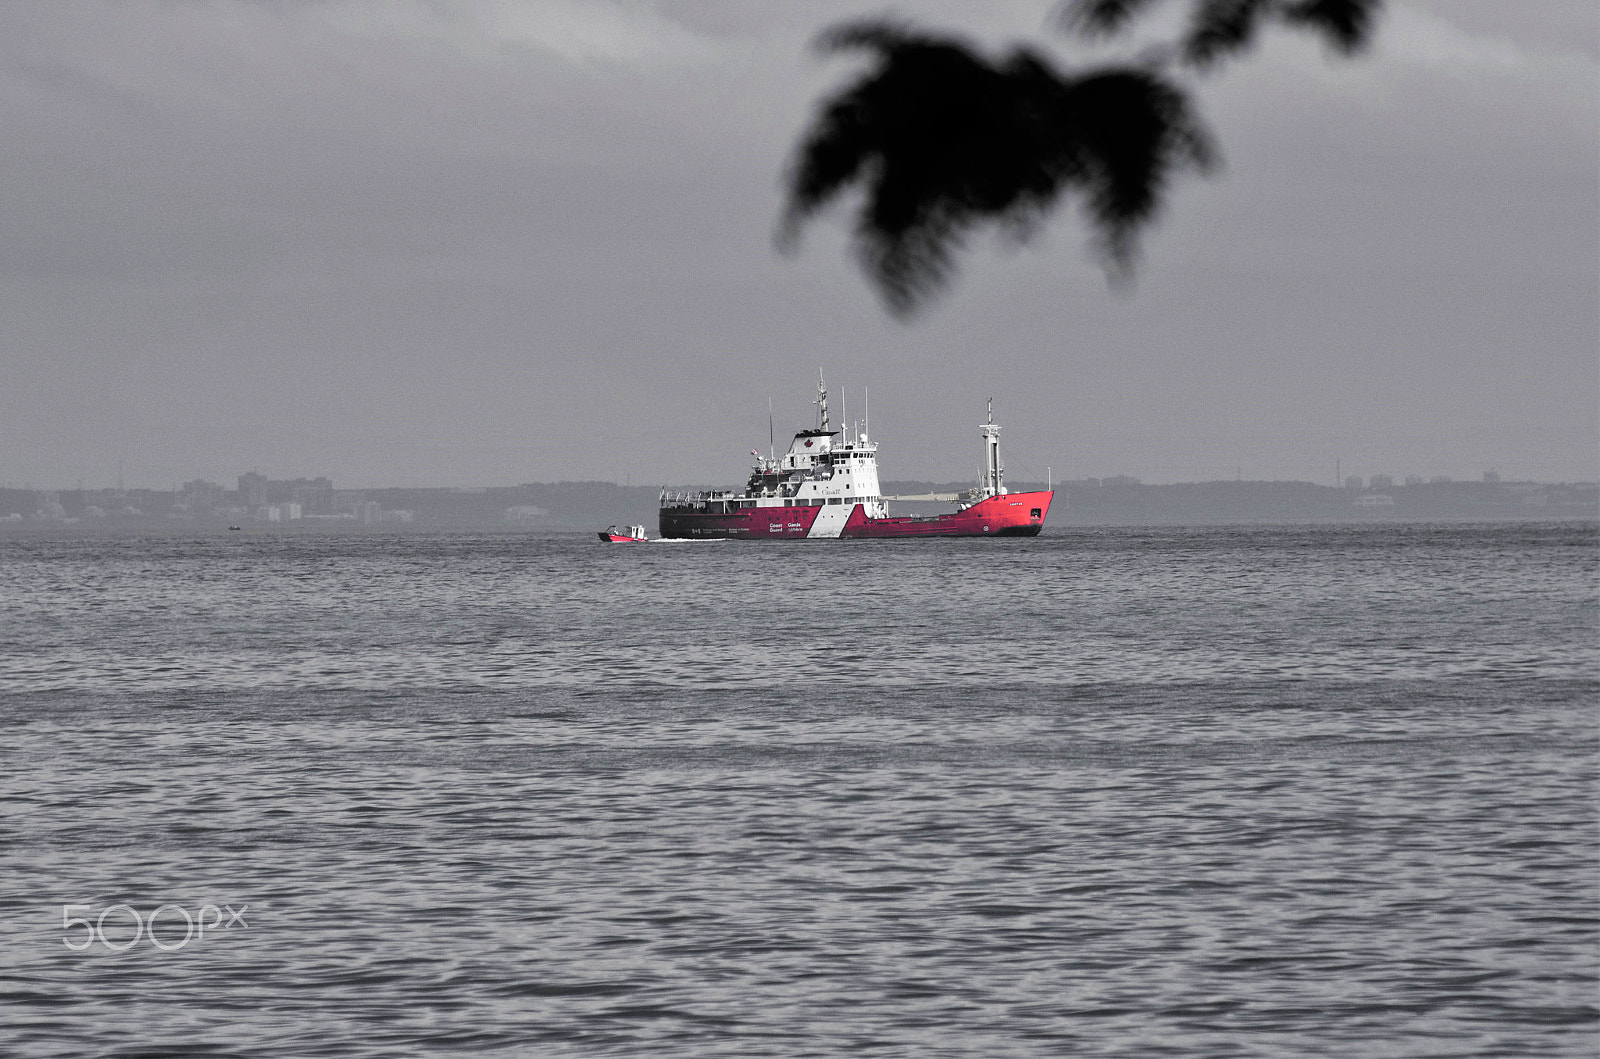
826 486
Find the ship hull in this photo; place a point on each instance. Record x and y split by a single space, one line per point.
1008 515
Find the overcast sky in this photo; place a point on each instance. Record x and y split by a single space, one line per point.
401 242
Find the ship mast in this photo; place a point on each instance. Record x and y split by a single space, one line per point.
822 402
993 473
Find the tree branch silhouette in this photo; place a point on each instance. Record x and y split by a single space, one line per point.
1219 29
941 140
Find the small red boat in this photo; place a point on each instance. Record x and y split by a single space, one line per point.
612 535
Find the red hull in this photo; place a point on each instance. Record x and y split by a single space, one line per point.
1011 515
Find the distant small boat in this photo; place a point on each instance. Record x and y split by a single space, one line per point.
233 527
612 535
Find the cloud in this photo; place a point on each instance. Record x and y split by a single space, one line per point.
1414 37
579 31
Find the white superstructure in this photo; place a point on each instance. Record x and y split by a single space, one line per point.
823 468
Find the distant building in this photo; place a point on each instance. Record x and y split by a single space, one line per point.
201 495
314 495
1353 483
1374 500
1380 481
1413 479
253 489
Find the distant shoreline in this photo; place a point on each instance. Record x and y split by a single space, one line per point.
581 506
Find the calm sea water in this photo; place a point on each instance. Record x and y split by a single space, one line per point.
1124 792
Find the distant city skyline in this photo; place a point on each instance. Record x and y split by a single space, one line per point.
1373 480
316 505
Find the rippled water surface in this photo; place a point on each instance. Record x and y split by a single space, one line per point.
1126 792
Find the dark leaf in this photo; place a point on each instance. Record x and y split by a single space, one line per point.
940 141
1346 24
1220 28
1135 131
1100 18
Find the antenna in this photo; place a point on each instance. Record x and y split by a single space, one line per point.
866 422
772 446
822 401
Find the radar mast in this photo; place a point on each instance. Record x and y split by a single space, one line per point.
993 472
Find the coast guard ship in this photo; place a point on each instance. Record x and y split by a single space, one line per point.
826 486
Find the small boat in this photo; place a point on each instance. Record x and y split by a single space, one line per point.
612 535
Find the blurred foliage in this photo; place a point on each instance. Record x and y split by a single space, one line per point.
941 140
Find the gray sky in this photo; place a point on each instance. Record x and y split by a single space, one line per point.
401 242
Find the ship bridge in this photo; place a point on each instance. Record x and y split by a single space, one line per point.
822 468
811 448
